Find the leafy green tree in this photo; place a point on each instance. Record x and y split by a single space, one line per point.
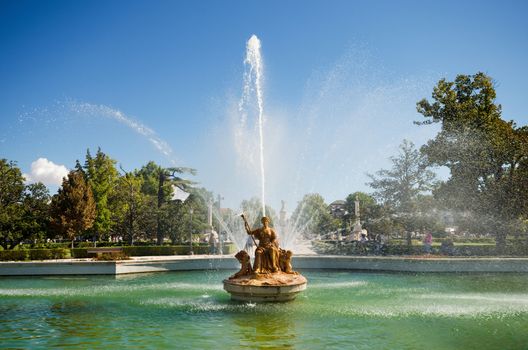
158 181
36 212
375 218
177 217
486 155
312 216
400 187
73 207
253 210
102 177
131 209
11 190
23 209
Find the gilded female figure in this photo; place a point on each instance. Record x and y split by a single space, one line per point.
267 252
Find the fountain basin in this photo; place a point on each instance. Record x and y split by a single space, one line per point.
272 288
337 309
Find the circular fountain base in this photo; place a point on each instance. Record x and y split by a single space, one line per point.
266 288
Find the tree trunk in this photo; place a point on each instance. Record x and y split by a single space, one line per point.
130 229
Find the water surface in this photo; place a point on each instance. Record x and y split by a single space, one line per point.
339 310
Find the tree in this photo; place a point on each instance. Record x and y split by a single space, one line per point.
73 207
131 209
400 186
23 209
312 216
36 218
253 210
176 217
375 218
158 182
101 175
486 155
11 190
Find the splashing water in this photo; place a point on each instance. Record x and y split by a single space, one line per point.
253 81
66 111
89 109
371 310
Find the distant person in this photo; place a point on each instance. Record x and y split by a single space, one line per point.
363 238
428 242
380 242
362 243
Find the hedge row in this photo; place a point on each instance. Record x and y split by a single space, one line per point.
458 239
63 253
34 254
174 250
350 248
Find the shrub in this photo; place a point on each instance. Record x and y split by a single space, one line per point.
44 254
458 249
50 245
79 253
229 248
111 256
60 253
13 255
39 254
148 250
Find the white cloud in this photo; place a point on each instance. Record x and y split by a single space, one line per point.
47 172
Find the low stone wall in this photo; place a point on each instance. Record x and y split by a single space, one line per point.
187 264
57 267
412 264
182 263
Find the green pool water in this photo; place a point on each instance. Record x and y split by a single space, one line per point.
339 310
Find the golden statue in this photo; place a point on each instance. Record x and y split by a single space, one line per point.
267 252
271 278
245 264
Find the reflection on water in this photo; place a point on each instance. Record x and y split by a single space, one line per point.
189 310
265 331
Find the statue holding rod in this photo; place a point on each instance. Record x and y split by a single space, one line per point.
271 278
267 252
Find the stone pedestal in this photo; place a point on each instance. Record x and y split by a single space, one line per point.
266 288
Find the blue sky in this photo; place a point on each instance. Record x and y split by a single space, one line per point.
341 82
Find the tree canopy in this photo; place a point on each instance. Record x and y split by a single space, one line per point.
101 176
73 207
312 216
23 208
400 187
486 155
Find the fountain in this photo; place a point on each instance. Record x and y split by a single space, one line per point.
271 278
341 307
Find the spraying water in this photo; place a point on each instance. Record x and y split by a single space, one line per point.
89 109
253 81
64 112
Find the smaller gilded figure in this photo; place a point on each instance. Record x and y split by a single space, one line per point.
285 261
267 252
245 265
